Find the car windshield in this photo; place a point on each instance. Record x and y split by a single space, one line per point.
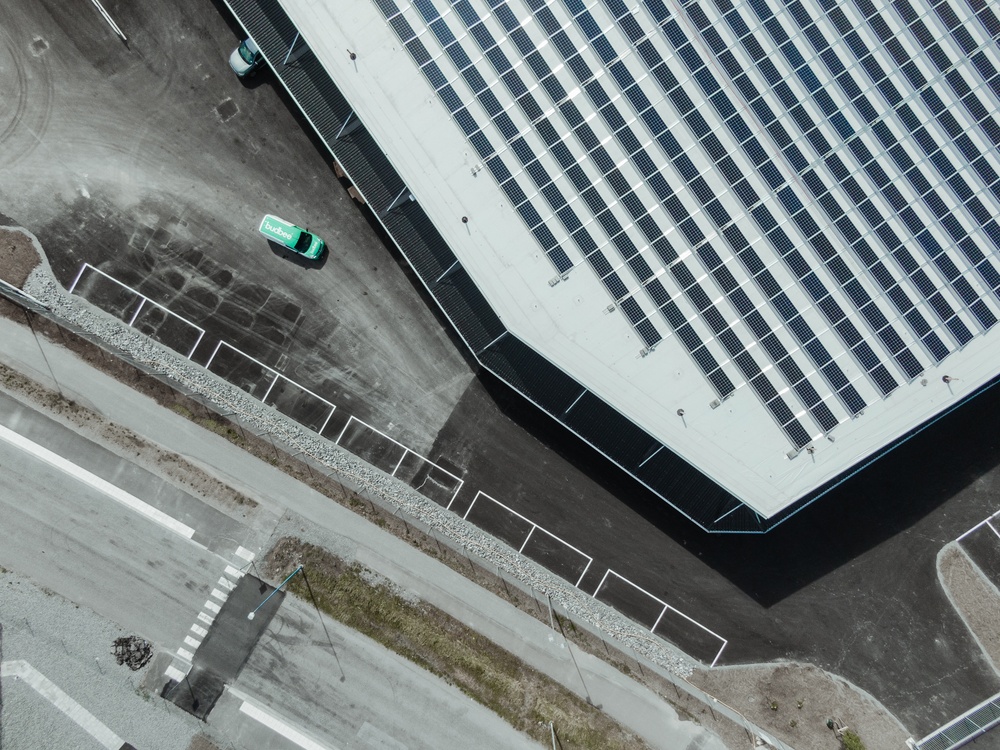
246 54
305 240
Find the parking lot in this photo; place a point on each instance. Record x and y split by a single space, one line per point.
154 164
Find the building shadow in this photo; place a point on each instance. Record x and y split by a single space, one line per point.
890 496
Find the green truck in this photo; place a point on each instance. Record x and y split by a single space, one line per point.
294 238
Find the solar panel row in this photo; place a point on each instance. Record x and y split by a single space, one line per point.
800 148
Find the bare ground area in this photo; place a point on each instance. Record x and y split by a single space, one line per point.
18 256
976 599
748 689
795 702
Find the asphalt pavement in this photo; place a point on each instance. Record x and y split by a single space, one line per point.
151 162
91 549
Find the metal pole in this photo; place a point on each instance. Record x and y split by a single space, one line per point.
251 615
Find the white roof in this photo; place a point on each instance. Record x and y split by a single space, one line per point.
580 322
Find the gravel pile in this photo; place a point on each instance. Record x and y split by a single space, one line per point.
73 647
463 535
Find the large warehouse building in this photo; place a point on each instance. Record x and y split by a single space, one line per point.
741 247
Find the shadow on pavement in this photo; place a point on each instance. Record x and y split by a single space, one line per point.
230 640
881 501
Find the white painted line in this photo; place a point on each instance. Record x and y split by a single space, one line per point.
50 692
174 674
212 607
101 485
233 572
191 641
278 725
225 583
205 618
198 630
220 595
185 654
245 553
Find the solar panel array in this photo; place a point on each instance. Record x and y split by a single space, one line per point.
802 193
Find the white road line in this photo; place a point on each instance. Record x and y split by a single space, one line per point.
211 606
191 641
185 654
174 673
245 553
220 595
205 618
198 630
233 572
51 692
101 485
225 583
278 725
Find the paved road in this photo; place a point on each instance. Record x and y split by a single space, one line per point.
94 549
128 158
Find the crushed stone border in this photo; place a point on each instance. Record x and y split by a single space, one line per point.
228 399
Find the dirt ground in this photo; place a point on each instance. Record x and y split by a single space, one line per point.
18 256
795 702
975 598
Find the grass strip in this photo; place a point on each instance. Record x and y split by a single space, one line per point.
492 676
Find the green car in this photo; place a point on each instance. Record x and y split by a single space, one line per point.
294 238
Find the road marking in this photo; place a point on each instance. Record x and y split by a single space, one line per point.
185 654
191 641
174 673
199 630
101 485
278 725
205 618
225 583
245 553
51 692
220 595
233 572
375 737
211 606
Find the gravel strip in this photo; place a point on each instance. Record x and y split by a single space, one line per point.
231 399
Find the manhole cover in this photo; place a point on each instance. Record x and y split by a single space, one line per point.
227 109
39 46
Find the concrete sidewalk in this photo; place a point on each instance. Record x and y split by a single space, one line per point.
630 703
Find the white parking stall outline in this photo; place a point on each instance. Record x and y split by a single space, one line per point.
666 608
143 299
406 451
277 376
534 527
